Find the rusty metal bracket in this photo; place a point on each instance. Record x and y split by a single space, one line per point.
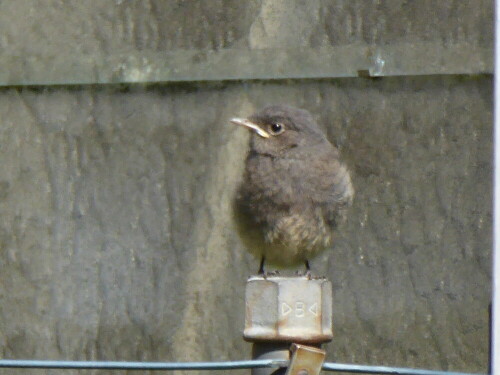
306 360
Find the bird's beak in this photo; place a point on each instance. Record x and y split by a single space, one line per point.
249 124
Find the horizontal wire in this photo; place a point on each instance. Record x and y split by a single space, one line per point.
118 365
229 365
365 369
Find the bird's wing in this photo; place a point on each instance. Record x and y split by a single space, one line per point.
325 179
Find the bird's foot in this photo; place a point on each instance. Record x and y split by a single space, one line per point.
306 273
267 274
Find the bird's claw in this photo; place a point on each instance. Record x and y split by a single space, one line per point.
306 274
271 273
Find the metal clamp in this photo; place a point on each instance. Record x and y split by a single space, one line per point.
306 360
288 309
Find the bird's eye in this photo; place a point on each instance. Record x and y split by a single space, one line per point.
277 128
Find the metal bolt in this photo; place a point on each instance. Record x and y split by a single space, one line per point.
302 372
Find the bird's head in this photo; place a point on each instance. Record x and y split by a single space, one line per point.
280 129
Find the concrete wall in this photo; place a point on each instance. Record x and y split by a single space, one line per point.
117 240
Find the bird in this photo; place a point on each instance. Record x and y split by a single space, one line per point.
295 190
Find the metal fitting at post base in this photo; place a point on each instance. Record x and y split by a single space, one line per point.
285 310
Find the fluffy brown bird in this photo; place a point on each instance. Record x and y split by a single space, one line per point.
295 189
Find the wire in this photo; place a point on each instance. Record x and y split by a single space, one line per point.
114 365
230 365
364 369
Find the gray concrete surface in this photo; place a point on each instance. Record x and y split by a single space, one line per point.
116 234
100 42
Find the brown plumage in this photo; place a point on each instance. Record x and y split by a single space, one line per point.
295 189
